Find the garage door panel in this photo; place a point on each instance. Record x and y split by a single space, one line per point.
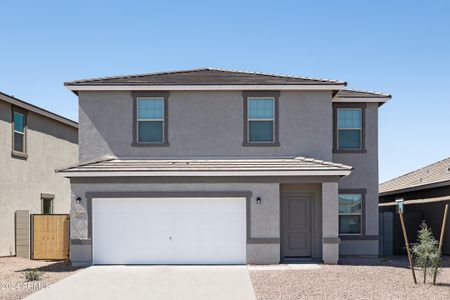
169 231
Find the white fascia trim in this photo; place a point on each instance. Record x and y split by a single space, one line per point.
202 87
205 173
375 100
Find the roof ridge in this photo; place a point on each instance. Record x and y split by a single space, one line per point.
414 171
323 162
205 69
88 162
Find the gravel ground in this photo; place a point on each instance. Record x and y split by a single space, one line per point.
354 278
12 278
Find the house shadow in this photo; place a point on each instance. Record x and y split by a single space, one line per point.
54 267
443 284
396 261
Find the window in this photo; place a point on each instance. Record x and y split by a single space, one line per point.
19 132
261 118
47 206
150 120
350 213
349 127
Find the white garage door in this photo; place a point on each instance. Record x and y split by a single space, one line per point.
169 230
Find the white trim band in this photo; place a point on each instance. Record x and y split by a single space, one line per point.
375 100
202 87
70 174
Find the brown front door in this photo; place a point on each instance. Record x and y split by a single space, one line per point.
296 225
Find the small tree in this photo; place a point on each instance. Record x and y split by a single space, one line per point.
426 252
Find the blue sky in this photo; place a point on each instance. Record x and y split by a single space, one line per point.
398 47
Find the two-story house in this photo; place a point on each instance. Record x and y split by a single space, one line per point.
212 166
33 144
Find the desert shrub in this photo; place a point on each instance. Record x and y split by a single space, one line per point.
33 275
426 252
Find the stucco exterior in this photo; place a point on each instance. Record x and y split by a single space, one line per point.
50 145
205 124
210 124
264 218
364 176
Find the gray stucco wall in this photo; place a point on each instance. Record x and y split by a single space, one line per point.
264 217
210 124
205 124
51 145
364 176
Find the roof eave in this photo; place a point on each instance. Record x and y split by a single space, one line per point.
415 188
73 174
380 100
267 87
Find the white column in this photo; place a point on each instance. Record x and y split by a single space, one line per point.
330 223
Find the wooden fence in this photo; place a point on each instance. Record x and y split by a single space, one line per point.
50 236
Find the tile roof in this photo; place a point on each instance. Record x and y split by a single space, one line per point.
235 164
438 172
347 93
205 76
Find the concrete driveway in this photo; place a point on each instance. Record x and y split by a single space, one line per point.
153 282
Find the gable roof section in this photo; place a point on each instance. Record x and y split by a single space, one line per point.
297 166
204 77
347 95
40 111
437 173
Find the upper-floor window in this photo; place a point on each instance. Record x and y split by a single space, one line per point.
19 132
150 120
350 213
260 112
261 121
349 128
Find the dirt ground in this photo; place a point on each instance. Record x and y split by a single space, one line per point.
12 278
353 278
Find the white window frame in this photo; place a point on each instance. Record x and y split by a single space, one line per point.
360 214
260 119
23 134
150 120
360 128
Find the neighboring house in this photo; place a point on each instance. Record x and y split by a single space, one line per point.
33 144
425 193
208 166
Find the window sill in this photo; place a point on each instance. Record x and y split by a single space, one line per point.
247 144
165 144
350 151
20 155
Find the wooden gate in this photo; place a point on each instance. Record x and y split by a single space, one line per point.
50 236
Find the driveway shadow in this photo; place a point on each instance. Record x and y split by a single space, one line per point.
54 267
